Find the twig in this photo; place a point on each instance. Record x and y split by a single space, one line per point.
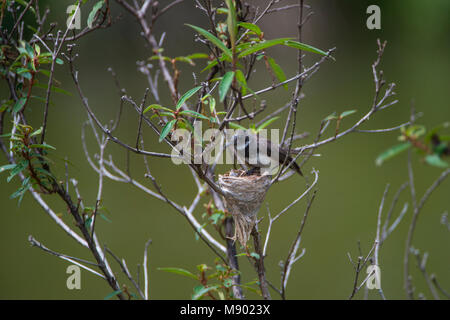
292 255
146 268
73 260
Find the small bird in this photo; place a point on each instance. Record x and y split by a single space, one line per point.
261 154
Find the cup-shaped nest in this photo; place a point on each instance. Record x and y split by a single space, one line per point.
243 198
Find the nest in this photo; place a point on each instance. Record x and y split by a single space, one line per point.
244 196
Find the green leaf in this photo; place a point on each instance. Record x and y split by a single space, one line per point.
212 104
304 47
242 81
266 123
156 106
45 172
160 58
37 132
88 222
112 294
414 130
25 3
194 114
30 50
54 88
347 113
19 104
42 146
180 271
59 61
105 218
37 49
220 268
236 126
255 255
331 117
211 64
213 39
258 292
185 59
436 161
392 152
197 56
186 96
225 84
22 190
22 70
17 169
232 21
279 73
262 45
185 124
216 217
251 27
199 293
7 167
165 131
93 12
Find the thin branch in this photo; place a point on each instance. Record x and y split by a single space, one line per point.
292 254
145 264
417 208
73 260
125 270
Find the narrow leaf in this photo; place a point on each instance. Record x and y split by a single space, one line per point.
19 104
7 167
93 12
392 152
165 131
194 114
232 21
225 84
37 132
17 169
198 56
279 73
212 104
200 293
347 113
156 106
255 255
112 294
186 96
304 47
436 161
266 123
213 39
236 126
180 271
42 146
251 27
263 45
331 117
242 81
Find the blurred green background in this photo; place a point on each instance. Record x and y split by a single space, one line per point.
350 185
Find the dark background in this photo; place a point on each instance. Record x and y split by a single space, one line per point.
350 185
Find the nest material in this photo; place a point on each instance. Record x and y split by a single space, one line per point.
244 196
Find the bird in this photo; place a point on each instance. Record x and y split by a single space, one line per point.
260 154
